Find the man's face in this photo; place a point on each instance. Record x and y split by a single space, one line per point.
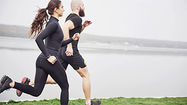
81 11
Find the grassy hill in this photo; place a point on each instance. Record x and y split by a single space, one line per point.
110 101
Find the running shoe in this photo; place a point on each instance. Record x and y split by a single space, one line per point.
25 80
2 81
95 102
5 81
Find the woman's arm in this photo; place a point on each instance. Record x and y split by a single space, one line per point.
65 42
76 36
50 29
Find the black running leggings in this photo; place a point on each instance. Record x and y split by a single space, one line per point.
43 68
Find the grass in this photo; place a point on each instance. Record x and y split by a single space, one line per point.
109 101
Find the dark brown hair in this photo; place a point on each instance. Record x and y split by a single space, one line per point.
42 17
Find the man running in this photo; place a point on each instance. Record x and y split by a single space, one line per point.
70 53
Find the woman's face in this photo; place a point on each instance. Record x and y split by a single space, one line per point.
60 10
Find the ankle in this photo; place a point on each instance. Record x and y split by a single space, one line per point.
88 102
12 84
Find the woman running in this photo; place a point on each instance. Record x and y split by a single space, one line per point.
46 62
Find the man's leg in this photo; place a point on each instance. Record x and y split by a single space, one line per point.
86 84
49 81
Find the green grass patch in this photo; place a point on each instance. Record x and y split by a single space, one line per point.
109 101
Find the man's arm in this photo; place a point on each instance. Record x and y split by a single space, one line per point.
83 27
85 24
68 25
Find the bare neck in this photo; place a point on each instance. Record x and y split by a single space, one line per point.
75 12
55 15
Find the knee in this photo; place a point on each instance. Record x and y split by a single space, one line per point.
37 93
65 87
83 72
86 75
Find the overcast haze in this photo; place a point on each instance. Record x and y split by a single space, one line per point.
150 19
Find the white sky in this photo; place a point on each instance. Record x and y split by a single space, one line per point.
150 19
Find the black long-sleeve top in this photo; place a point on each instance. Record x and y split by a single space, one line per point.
53 36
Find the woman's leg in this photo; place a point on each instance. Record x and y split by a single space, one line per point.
56 71
40 79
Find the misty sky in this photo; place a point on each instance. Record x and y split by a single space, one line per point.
150 19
